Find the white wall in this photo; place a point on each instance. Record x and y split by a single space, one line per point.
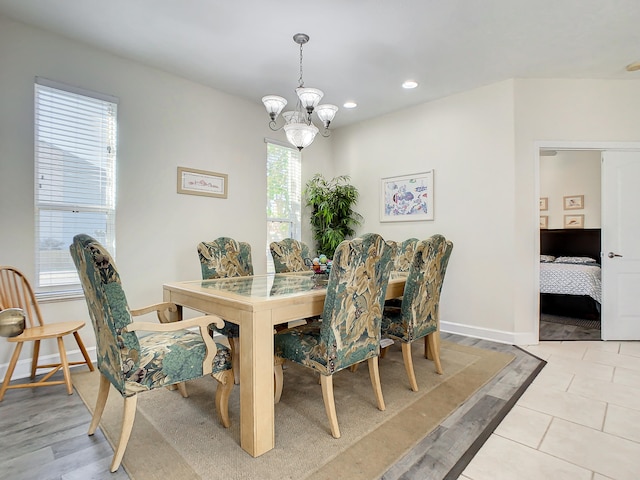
164 122
467 139
571 172
482 145
559 111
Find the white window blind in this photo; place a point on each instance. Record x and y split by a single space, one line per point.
284 191
75 161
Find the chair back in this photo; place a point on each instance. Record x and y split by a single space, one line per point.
421 298
225 257
117 350
404 254
16 292
352 314
288 255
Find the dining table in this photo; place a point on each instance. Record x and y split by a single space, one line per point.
257 304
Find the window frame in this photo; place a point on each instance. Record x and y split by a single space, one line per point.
56 141
294 189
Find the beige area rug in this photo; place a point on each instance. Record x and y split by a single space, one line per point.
175 437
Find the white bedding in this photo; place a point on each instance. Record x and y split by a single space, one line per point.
571 279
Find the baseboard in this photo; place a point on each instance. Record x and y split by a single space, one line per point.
500 336
23 367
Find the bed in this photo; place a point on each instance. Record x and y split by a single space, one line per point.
570 280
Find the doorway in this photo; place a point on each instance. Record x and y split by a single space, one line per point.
570 231
594 147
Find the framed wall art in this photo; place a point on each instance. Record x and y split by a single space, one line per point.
574 221
544 203
574 202
544 221
202 182
407 198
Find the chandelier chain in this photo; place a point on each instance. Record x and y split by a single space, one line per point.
300 80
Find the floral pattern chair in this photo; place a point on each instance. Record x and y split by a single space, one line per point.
288 255
417 316
221 258
169 355
401 260
350 330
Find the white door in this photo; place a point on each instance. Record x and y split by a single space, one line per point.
620 245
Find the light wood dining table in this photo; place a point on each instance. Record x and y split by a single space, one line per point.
258 303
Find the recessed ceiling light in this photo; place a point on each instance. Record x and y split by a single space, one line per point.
632 67
350 105
408 84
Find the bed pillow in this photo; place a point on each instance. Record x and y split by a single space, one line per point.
547 258
575 260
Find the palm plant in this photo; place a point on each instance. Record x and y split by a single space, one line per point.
332 216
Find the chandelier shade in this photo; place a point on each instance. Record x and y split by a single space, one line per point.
298 124
274 105
300 135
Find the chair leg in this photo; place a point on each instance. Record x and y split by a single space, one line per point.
128 416
431 341
65 365
101 401
85 354
182 388
234 346
374 374
383 352
329 403
223 391
408 365
278 379
10 369
427 350
34 358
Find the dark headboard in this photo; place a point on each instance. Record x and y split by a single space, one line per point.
571 242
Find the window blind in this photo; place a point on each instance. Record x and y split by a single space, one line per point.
284 191
75 161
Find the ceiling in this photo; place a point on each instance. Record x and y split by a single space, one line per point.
360 50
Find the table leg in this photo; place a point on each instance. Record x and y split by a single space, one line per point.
257 423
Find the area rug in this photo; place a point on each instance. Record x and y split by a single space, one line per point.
175 437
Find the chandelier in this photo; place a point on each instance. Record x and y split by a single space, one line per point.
298 125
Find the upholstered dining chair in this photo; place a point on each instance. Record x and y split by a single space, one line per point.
404 254
350 330
16 292
171 353
288 255
221 258
417 316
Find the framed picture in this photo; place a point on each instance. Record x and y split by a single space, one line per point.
407 198
544 221
574 221
544 203
574 202
201 182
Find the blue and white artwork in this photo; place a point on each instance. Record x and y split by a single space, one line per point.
406 198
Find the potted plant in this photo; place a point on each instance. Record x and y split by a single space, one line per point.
332 216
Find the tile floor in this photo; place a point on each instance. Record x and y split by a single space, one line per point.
579 419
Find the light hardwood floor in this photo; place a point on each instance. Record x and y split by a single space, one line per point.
44 431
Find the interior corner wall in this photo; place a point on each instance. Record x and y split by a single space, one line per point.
164 121
467 139
575 111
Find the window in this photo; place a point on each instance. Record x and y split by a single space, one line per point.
75 160
284 180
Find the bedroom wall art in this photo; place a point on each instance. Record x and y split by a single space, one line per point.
574 202
544 203
574 221
544 221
